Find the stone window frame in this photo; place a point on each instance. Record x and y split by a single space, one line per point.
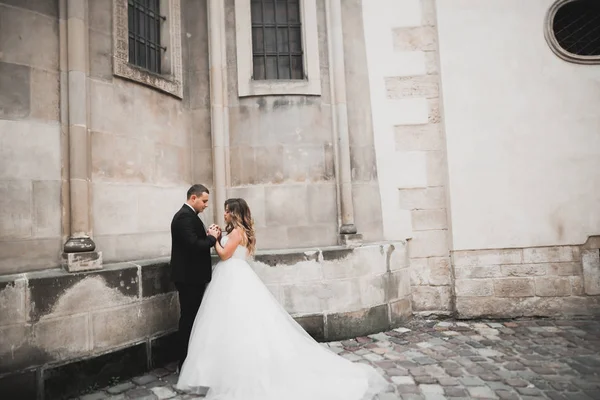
171 79
247 86
553 42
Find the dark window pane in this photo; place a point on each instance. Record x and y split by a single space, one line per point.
257 40
576 27
131 50
144 33
152 59
297 67
152 31
157 25
277 39
130 11
269 12
282 41
295 40
271 70
284 68
141 23
141 55
259 68
281 12
293 12
256 12
270 40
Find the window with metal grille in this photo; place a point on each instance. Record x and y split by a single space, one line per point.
277 39
144 34
576 27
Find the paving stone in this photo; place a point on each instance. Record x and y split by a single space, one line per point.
163 393
481 392
578 396
433 360
455 392
555 396
425 379
94 396
144 380
403 380
155 384
120 388
507 395
373 357
471 381
529 391
433 389
407 389
448 381
517 382
563 386
387 396
490 377
514 366
543 370
171 379
396 372
140 394
594 394
160 372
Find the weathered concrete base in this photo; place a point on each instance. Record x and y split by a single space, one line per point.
77 262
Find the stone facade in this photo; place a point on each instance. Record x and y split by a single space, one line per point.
411 153
31 137
401 177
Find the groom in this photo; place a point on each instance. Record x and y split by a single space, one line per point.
191 268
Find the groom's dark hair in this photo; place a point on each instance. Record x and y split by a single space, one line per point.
197 190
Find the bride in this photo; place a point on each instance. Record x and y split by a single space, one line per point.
245 346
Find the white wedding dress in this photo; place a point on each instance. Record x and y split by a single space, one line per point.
245 346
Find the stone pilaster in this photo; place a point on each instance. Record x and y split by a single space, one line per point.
340 119
219 107
79 250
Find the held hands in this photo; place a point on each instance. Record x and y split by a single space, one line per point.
215 231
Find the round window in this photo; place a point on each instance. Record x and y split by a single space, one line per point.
573 30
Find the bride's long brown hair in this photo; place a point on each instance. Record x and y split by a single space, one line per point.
241 218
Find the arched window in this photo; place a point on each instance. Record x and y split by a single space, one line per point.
573 30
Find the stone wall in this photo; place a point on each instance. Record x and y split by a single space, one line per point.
30 136
341 292
52 319
411 157
533 281
148 147
521 129
281 149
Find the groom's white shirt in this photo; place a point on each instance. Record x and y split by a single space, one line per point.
191 208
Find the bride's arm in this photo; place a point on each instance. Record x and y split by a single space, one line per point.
232 243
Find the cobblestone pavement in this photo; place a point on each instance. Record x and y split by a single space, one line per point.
431 360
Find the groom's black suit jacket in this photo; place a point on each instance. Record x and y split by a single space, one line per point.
190 249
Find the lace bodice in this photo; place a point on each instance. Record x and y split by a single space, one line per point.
241 252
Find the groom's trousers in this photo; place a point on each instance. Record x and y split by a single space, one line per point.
190 297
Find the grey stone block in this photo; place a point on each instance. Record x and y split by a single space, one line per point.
14 90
